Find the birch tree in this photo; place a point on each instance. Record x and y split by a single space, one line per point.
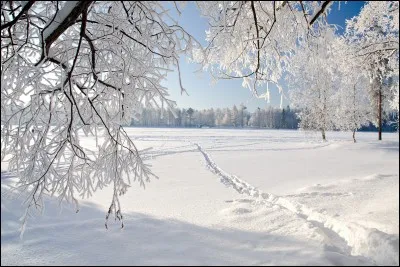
313 82
353 108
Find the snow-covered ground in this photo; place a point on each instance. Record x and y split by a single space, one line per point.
229 197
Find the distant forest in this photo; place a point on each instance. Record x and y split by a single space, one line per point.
235 117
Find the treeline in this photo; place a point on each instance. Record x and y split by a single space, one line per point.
235 117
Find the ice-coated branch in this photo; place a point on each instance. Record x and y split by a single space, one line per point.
72 70
321 11
275 29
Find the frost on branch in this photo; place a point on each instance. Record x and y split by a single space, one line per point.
254 40
373 39
313 80
70 69
353 108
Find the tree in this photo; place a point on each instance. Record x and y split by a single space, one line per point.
254 40
353 109
210 115
255 119
190 112
246 119
81 67
268 118
218 117
283 119
184 118
374 38
227 119
291 118
379 91
242 117
235 116
313 88
178 118
394 102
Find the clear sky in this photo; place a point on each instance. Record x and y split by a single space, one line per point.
226 93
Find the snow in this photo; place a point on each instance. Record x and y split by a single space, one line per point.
229 197
61 16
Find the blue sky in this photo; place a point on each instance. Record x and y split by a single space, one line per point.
226 93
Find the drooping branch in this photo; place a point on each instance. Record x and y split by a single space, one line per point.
98 64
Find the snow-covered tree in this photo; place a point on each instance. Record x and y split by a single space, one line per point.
227 119
283 119
255 119
374 38
313 82
254 40
81 67
268 117
185 120
353 109
210 117
218 117
242 115
189 113
235 116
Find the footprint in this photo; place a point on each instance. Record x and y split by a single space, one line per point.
241 211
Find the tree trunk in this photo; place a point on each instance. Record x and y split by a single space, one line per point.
380 115
354 136
323 135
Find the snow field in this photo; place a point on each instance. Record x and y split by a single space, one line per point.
264 215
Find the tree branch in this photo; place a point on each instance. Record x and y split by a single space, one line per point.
321 11
24 9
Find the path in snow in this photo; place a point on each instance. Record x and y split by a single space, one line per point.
369 242
184 219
